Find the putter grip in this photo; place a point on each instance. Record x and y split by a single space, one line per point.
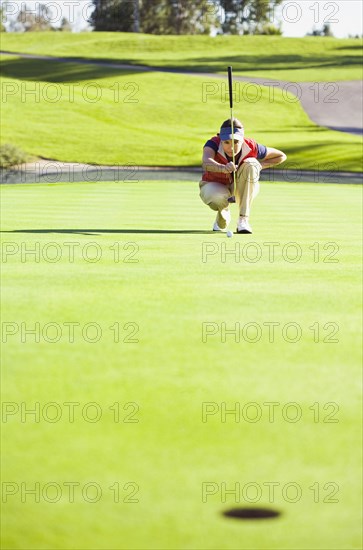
230 87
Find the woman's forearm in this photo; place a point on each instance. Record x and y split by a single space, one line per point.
274 161
211 165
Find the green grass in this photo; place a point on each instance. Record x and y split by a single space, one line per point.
53 111
297 59
170 372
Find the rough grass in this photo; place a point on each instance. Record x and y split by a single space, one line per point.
99 115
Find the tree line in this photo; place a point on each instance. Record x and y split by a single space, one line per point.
185 16
158 17
38 19
164 17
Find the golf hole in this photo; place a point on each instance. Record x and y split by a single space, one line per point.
251 513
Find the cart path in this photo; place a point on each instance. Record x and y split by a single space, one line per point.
334 105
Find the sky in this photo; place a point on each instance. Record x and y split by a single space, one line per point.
344 16
298 16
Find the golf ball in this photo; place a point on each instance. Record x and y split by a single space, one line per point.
229 234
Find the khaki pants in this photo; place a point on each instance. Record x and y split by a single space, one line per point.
216 195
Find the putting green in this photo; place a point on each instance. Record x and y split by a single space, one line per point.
145 263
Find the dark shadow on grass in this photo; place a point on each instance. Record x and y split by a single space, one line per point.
70 69
113 231
56 71
355 47
274 62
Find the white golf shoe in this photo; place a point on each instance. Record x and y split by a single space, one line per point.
223 219
216 227
243 225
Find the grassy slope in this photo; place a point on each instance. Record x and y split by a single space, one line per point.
170 372
296 59
156 119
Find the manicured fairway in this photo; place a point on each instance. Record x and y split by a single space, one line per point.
168 283
299 59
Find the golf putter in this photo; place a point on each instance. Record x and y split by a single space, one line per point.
233 198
